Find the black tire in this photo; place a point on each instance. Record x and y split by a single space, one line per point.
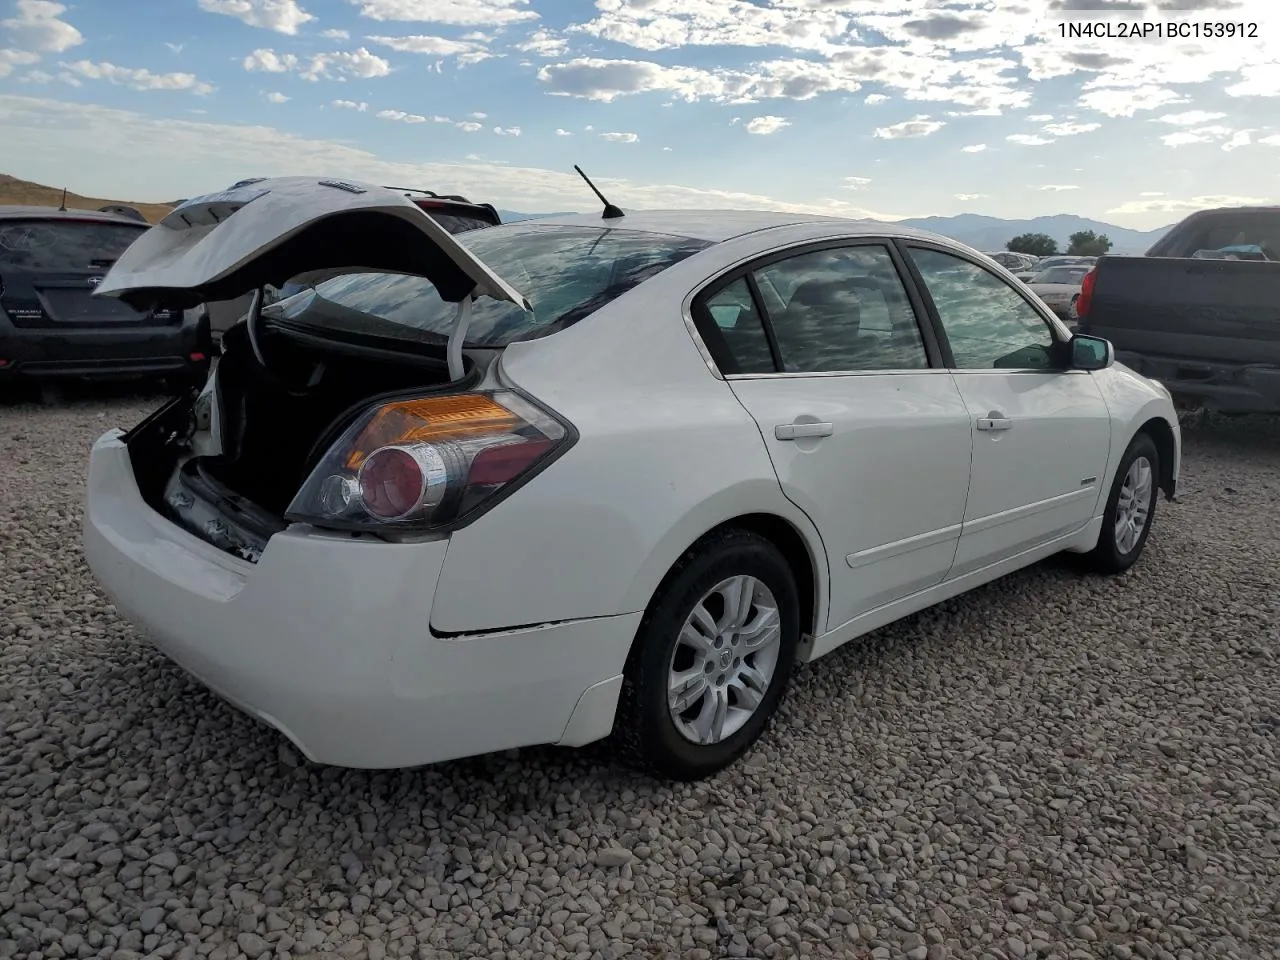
1107 557
644 732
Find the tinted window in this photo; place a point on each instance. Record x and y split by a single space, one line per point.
566 273
64 244
987 322
845 309
740 329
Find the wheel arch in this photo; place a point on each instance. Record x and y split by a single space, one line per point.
1161 432
800 548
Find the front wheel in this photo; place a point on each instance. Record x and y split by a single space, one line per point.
711 660
1131 508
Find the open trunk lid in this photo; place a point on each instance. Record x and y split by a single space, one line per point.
267 232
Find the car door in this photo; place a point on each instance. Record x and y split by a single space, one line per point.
867 432
1041 432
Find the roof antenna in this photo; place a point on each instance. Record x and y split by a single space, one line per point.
610 211
63 207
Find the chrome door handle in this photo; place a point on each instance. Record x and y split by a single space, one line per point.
794 431
994 423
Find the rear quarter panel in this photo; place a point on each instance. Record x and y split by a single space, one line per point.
665 453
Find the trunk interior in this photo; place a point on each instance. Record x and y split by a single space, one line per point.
273 427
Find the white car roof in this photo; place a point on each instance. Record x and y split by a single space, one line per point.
719 225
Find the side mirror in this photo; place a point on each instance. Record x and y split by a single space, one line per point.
1091 353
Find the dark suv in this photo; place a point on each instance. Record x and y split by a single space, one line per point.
456 214
50 326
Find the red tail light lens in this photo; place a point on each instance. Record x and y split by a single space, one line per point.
428 462
1085 298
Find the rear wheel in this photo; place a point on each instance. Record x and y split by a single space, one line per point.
711 660
1131 508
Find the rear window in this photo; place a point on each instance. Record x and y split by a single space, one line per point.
1247 231
64 244
566 273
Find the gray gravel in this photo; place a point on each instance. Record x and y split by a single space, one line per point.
1054 766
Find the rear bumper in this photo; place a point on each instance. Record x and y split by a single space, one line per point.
327 638
98 352
1230 387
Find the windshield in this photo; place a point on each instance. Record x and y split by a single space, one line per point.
1061 275
64 244
566 273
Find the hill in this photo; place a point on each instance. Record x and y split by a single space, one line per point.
24 192
992 233
984 233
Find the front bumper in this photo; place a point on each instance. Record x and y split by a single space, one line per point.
327 638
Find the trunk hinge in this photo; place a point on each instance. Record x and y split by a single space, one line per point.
458 336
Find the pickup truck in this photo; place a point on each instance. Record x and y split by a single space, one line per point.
1200 312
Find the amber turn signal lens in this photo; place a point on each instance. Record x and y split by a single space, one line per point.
430 419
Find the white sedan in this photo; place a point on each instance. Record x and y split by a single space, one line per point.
567 478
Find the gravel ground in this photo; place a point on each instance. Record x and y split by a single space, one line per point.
1053 766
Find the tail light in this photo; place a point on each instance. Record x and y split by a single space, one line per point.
1085 298
428 462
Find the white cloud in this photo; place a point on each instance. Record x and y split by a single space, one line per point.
970 196
175 48
431 46
920 126
1058 187
507 131
873 99
462 13
856 183
275 97
1151 193
45 132
1241 138
359 64
544 43
1190 118
1271 141
1171 205
1185 138
15 58
1069 129
36 76
268 61
1040 118
360 107
282 16
336 34
974 148
763 126
620 137
139 78
401 116
469 126
1126 101
1029 139
38 27
561 132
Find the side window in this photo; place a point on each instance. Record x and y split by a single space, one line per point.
742 336
987 322
845 309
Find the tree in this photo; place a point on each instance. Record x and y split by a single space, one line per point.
1086 243
1035 244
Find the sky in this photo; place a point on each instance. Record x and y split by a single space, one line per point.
861 108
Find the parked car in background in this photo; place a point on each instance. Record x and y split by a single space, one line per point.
1059 287
1045 263
51 261
1200 311
1012 261
563 478
455 213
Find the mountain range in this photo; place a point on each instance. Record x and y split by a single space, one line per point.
984 233
992 233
